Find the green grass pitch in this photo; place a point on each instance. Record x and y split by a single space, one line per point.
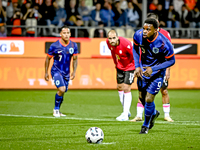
26 121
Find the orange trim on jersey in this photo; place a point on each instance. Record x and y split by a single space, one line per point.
49 55
154 38
170 56
64 44
75 54
135 43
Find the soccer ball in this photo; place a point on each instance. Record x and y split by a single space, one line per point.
94 135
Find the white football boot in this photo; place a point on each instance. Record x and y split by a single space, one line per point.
56 113
123 117
62 115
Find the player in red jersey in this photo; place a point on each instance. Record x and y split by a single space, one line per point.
122 54
164 92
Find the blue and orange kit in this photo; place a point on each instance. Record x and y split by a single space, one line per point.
157 54
62 57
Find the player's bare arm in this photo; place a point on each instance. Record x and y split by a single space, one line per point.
147 72
47 61
167 74
75 63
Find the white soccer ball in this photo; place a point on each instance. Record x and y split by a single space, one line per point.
94 135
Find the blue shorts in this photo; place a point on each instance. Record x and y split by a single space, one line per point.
151 85
59 80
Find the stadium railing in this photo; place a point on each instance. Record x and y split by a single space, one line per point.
128 32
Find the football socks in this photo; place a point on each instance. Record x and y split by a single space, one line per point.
127 102
121 97
166 109
58 101
149 111
140 109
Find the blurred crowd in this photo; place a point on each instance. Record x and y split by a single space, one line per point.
53 14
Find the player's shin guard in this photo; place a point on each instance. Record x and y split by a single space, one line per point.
58 101
149 111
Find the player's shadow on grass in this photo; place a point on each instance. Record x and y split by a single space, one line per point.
67 114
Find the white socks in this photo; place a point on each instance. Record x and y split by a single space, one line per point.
127 102
166 109
125 99
140 109
121 97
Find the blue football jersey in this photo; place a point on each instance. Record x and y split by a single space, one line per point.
62 57
152 53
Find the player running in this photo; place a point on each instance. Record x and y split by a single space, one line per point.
62 51
156 55
122 54
163 90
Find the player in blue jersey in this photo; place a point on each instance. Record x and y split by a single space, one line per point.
151 61
62 51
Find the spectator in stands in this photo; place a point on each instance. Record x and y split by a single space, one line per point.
10 10
2 15
178 5
81 32
190 4
25 7
132 15
31 19
153 6
73 14
123 4
95 14
196 20
100 32
185 17
107 15
2 31
16 22
60 16
195 17
161 15
172 18
84 11
48 13
120 14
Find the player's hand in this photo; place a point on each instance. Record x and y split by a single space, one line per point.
72 76
147 72
46 77
138 72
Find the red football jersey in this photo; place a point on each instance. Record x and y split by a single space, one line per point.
122 54
165 33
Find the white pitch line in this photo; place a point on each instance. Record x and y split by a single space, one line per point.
92 119
108 143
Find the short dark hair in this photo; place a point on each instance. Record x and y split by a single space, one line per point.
152 15
152 21
63 27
